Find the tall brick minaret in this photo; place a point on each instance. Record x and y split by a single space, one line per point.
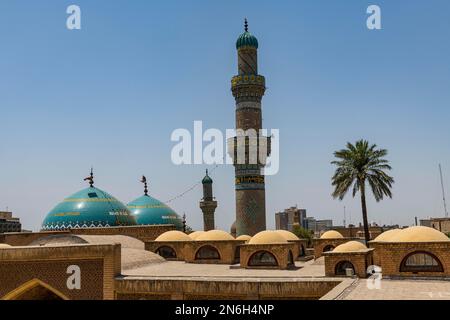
208 205
248 88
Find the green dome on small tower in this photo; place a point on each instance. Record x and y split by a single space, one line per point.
246 39
207 179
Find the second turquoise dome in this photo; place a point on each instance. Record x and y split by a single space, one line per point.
150 211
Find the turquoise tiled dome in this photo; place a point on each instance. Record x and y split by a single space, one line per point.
150 211
88 208
247 40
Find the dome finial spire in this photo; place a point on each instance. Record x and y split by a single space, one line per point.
90 178
144 181
245 25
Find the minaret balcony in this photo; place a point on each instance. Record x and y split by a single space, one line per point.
248 79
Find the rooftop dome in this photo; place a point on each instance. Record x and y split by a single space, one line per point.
207 179
194 235
150 211
88 208
214 235
387 235
419 234
351 246
246 39
332 234
267 237
173 235
244 237
289 236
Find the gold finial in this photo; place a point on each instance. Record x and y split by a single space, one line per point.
245 25
144 181
90 178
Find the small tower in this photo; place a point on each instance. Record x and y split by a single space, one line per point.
208 205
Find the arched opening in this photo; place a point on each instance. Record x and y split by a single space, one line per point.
237 254
421 261
291 262
328 247
35 290
302 251
342 266
207 253
263 259
166 252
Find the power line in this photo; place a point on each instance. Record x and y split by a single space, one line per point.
443 192
180 195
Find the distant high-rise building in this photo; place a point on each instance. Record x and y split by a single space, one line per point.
8 223
318 225
285 220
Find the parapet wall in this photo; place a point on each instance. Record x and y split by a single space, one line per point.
143 233
243 289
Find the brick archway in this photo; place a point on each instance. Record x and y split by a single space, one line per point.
35 290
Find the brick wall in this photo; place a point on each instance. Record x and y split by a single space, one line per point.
99 265
320 244
222 289
143 233
226 248
177 246
360 261
280 251
390 256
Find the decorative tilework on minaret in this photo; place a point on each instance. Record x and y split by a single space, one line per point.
208 205
248 88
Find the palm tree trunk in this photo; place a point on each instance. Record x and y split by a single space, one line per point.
364 213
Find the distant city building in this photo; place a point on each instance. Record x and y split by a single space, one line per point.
353 231
317 226
425 222
441 224
8 223
286 219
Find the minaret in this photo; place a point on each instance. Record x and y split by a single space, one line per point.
248 88
208 204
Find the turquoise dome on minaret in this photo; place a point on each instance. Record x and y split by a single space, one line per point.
246 39
88 208
150 211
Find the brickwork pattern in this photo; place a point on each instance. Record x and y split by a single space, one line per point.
320 244
360 261
99 265
280 251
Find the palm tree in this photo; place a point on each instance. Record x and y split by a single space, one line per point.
356 165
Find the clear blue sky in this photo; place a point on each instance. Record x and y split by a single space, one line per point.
110 95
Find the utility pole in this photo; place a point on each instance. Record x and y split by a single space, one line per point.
344 218
443 192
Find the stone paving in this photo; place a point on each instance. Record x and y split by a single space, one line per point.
348 289
181 269
398 290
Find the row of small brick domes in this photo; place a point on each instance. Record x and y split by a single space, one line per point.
263 237
411 234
